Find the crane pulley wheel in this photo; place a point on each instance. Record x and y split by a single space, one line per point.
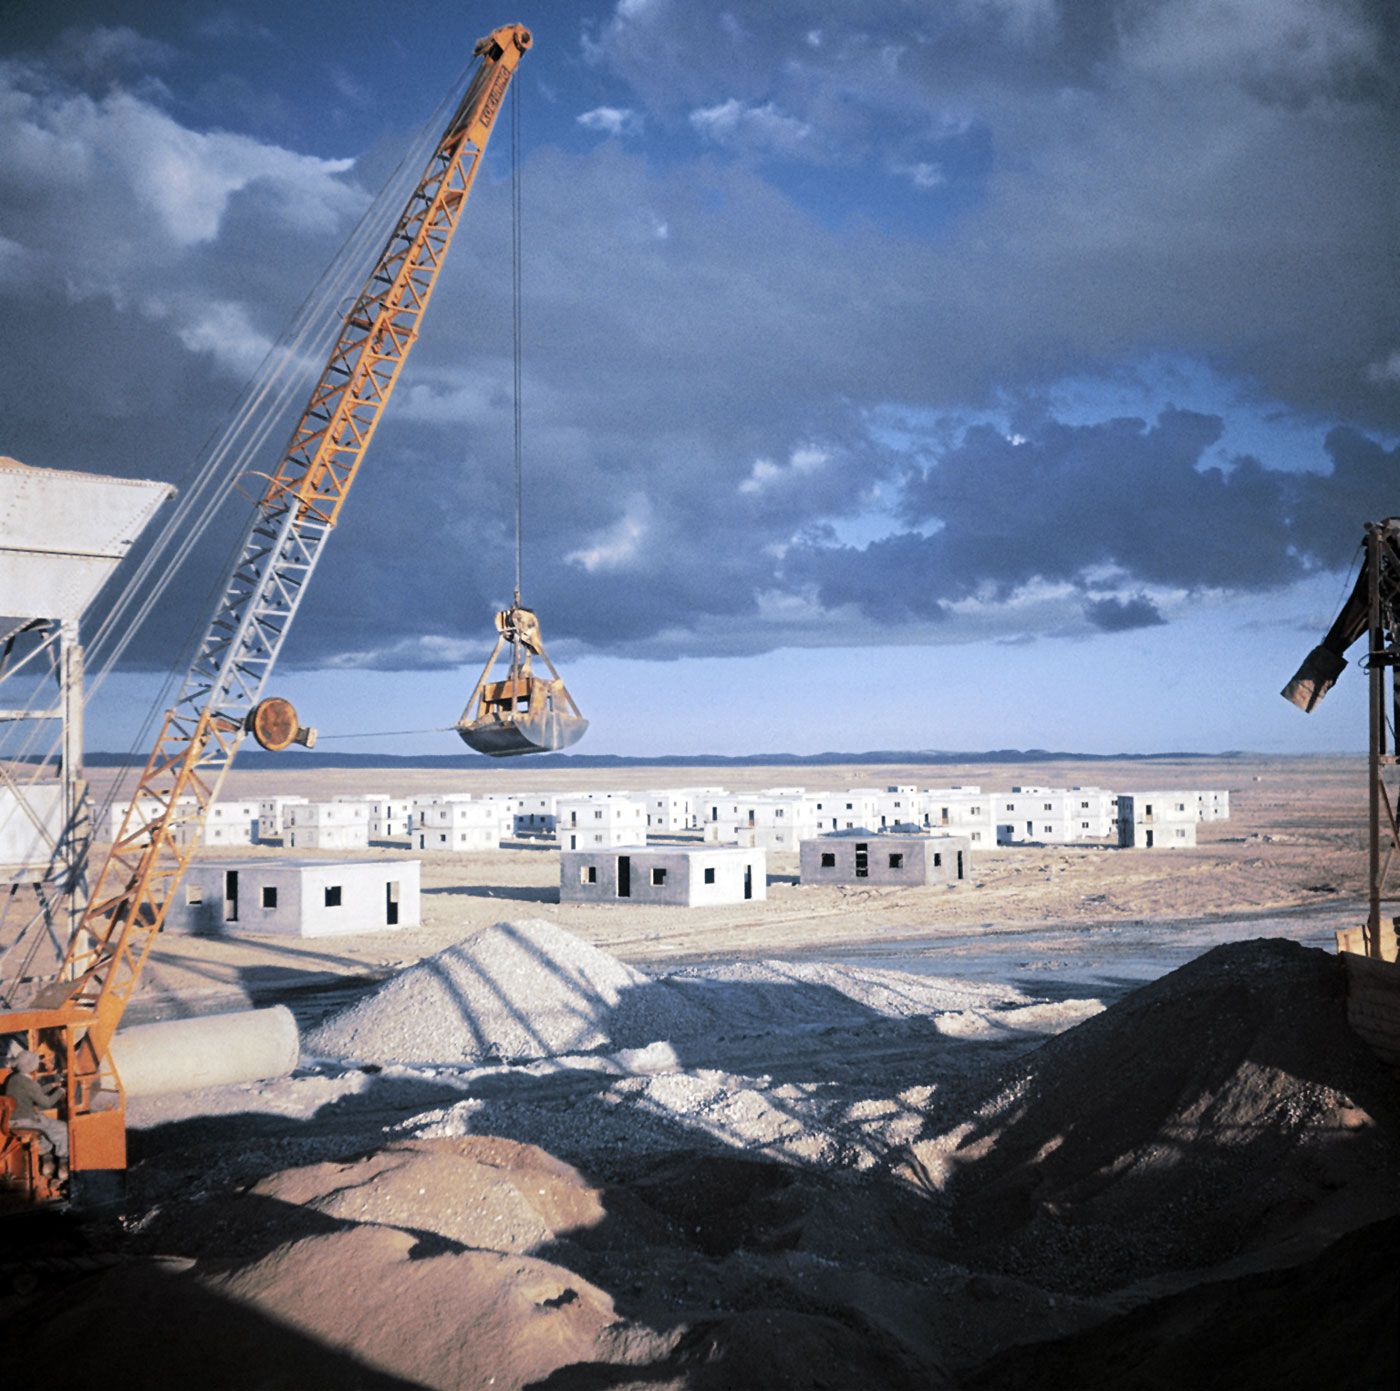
274 724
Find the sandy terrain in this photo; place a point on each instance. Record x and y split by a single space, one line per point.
1293 843
967 1137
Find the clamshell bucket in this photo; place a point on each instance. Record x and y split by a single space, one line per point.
523 713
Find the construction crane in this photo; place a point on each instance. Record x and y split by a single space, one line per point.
1371 610
71 1021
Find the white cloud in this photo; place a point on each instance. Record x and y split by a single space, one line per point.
181 178
805 459
734 124
1386 371
611 120
617 546
224 331
922 174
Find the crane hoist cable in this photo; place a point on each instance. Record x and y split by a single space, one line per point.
524 713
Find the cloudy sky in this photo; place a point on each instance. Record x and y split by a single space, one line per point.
963 375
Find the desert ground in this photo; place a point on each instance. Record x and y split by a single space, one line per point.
1089 1118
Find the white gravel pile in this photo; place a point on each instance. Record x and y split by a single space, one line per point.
526 990
514 991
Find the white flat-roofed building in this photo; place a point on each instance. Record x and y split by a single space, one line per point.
147 810
296 897
1157 820
275 816
670 810
682 876
1093 813
884 858
899 806
228 823
600 820
460 826
328 826
767 823
1034 816
845 811
1213 806
963 811
536 813
388 815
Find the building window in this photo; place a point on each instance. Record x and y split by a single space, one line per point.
1083 825
710 875
194 894
1011 806
269 896
1181 835
977 835
332 895
588 874
937 860
896 861
828 860
658 876
598 815
1048 806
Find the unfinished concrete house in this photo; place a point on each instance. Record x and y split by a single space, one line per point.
328 826
1156 820
863 856
275 816
296 898
766 823
605 819
963 811
460 826
678 875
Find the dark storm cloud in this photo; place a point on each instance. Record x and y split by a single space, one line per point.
707 350
1122 615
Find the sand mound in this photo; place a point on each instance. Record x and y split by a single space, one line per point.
1219 1110
515 991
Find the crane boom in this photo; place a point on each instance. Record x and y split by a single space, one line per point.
292 520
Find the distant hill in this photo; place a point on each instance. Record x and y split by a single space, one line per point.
259 758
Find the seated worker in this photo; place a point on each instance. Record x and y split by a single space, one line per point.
32 1099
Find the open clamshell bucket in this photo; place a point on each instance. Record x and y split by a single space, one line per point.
523 713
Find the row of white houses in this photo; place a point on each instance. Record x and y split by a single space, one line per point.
777 819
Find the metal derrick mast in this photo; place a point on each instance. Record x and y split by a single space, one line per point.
77 1015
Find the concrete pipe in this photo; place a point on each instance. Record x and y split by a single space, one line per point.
215 1050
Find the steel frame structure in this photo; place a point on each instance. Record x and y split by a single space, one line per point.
1382 550
49 653
74 1019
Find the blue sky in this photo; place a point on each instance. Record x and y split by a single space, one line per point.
1005 372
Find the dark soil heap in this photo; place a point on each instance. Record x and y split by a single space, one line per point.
1222 1111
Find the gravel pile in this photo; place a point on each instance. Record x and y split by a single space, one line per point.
514 991
527 990
1207 1114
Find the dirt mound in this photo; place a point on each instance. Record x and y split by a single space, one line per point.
1331 1322
1222 1109
518 990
